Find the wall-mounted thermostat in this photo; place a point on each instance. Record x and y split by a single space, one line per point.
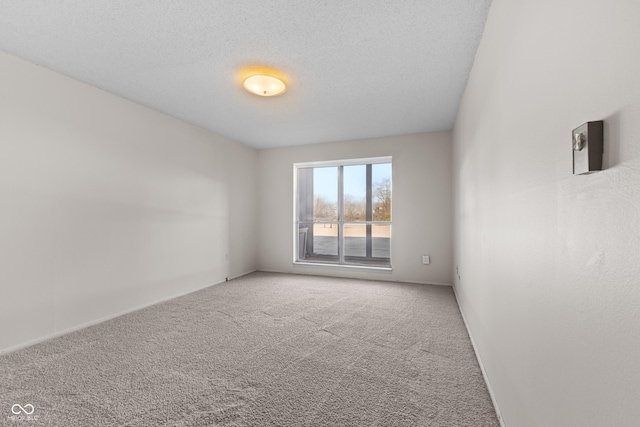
587 144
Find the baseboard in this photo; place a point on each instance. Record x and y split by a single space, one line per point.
382 279
484 372
237 276
97 321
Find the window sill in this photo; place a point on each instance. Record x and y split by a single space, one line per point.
341 266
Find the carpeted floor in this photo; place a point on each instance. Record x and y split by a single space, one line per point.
263 350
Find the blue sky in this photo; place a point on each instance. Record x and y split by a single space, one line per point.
325 180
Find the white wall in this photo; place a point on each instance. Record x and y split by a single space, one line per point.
549 262
106 205
421 205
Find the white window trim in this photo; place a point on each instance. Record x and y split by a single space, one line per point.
347 162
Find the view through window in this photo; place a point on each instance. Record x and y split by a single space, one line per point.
343 212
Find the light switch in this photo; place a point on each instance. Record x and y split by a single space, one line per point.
587 147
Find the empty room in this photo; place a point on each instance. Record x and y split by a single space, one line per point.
329 213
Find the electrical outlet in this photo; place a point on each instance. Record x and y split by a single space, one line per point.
426 259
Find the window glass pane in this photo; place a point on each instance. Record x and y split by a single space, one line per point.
355 240
303 243
304 200
325 240
381 191
381 241
355 192
325 194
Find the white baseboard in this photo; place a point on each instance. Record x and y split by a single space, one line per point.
62 332
237 276
357 277
484 372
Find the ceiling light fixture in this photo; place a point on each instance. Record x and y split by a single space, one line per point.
264 85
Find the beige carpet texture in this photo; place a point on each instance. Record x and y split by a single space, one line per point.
263 350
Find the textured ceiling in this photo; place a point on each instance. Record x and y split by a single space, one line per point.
355 69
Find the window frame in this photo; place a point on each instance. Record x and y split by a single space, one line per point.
340 263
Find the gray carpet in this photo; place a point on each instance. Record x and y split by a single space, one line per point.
262 350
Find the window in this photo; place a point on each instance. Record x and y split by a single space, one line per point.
343 212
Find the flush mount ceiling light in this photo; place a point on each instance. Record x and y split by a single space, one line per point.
264 85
